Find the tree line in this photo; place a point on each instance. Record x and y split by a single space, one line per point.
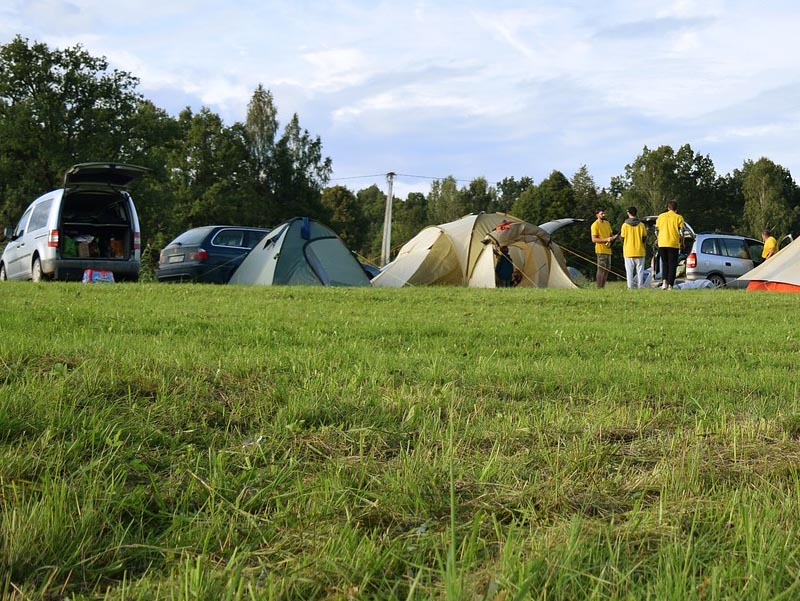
62 107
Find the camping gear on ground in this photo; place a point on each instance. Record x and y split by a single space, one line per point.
779 273
301 251
98 276
460 253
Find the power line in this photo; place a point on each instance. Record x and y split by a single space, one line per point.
430 177
337 179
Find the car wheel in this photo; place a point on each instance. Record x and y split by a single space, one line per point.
3 276
717 280
36 270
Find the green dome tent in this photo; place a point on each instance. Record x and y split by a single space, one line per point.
301 252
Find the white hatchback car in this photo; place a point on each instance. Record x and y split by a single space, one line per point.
91 223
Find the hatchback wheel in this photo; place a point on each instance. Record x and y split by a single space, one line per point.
3 276
717 280
36 270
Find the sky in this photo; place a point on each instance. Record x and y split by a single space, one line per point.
434 88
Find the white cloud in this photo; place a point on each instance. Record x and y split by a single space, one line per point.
338 68
458 85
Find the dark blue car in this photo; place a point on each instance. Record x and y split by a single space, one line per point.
207 254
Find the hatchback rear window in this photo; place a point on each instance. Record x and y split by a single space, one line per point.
192 237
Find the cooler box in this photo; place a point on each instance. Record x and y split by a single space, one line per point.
97 276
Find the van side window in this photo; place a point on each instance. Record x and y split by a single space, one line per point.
40 214
23 222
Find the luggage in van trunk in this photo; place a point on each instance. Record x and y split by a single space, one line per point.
95 226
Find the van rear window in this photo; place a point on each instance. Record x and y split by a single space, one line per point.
40 214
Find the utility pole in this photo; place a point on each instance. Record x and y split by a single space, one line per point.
386 245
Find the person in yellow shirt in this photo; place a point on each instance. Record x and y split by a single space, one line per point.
770 245
633 234
669 228
602 238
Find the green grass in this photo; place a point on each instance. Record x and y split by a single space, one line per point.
212 442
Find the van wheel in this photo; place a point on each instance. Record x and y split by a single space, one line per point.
36 270
3 276
717 280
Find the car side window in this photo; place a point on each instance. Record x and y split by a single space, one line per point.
40 214
23 223
755 248
229 238
252 238
709 247
735 248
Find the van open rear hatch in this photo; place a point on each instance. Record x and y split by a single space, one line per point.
117 175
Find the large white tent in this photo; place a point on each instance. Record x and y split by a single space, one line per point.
779 273
463 253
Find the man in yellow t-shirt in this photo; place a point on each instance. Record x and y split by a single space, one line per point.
669 226
633 234
602 238
770 245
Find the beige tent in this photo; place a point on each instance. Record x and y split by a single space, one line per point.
462 253
780 273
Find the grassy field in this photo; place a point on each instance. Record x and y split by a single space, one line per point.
210 442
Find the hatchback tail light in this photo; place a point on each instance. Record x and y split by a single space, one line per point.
52 239
691 261
137 240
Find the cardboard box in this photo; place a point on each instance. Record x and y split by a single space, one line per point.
115 246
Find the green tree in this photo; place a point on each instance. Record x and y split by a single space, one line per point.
658 176
372 201
345 216
698 192
57 108
509 191
552 199
209 173
409 218
478 196
768 190
650 181
153 137
261 125
576 239
528 205
299 172
585 193
444 204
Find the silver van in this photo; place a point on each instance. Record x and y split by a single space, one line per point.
91 223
